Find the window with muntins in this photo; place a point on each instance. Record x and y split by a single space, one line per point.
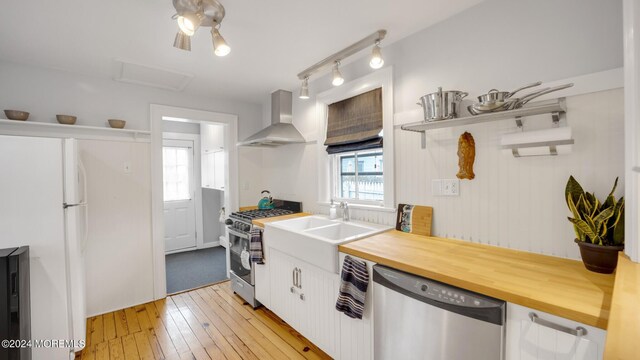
359 176
176 173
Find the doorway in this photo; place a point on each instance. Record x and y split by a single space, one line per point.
193 171
179 194
194 160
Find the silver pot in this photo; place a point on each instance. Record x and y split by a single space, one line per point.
441 105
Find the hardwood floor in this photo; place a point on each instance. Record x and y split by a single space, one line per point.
206 323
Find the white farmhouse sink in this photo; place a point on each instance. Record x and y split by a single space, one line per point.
315 239
340 231
306 222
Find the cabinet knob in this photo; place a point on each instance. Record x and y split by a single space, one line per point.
302 297
293 290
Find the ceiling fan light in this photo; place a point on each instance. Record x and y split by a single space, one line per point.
376 57
337 75
304 90
220 47
189 23
182 41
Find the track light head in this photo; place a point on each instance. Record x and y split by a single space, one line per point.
182 41
220 47
337 75
304 90
376 56
189 22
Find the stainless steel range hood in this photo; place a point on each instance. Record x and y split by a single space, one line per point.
281 131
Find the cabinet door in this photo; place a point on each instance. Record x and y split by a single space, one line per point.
206 169
319 320
263 274
356 336
283 300
528 340
218 170
212 137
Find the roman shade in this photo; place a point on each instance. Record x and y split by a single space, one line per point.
355 123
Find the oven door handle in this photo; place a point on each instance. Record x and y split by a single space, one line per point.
238 234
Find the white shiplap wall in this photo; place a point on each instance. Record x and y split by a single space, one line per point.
515 203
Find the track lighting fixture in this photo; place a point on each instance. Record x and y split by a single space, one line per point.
333 61
193 14
376 57
220 46
337 75
304 90
182 41
189 23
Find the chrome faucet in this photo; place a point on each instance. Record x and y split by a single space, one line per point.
345 210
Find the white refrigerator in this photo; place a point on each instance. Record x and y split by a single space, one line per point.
43 204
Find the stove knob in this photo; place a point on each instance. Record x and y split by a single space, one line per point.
247 227
228 222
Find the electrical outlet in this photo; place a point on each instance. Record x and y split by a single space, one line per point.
451 187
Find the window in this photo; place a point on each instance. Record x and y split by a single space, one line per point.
372 163
359 176
176 173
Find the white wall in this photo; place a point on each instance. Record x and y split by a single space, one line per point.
119 256
118 252
512 203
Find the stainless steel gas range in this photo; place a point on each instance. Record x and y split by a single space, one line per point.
240 226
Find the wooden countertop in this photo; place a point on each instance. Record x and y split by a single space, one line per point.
624 323
261 222
558 286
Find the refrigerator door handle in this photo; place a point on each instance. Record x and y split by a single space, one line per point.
65 205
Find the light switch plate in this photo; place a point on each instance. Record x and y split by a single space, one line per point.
445 187
126 167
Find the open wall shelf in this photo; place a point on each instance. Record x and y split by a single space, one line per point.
556 108
35 128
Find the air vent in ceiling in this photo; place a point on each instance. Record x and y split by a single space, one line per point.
132 73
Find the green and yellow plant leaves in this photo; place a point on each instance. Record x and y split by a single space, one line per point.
593 221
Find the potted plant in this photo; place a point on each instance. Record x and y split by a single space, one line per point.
599 226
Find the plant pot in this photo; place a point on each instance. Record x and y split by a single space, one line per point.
599 258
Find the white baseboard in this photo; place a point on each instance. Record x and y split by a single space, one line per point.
210 244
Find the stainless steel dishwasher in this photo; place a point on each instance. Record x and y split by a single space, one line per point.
419 318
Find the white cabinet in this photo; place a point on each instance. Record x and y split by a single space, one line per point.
213 156
550 337
356 336
304 296
213 170
212 137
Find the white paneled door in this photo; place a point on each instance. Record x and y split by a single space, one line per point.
179 195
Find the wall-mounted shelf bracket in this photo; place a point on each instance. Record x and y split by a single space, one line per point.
557 108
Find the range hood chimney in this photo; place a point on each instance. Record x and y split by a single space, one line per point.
281 131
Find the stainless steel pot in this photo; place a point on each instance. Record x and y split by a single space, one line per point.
441 105
494 95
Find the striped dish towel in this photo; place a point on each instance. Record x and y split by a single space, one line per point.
353 287
255 247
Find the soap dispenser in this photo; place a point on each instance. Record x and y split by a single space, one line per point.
333 211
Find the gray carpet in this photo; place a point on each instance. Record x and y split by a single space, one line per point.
191 269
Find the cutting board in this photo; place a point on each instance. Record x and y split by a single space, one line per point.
414 219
